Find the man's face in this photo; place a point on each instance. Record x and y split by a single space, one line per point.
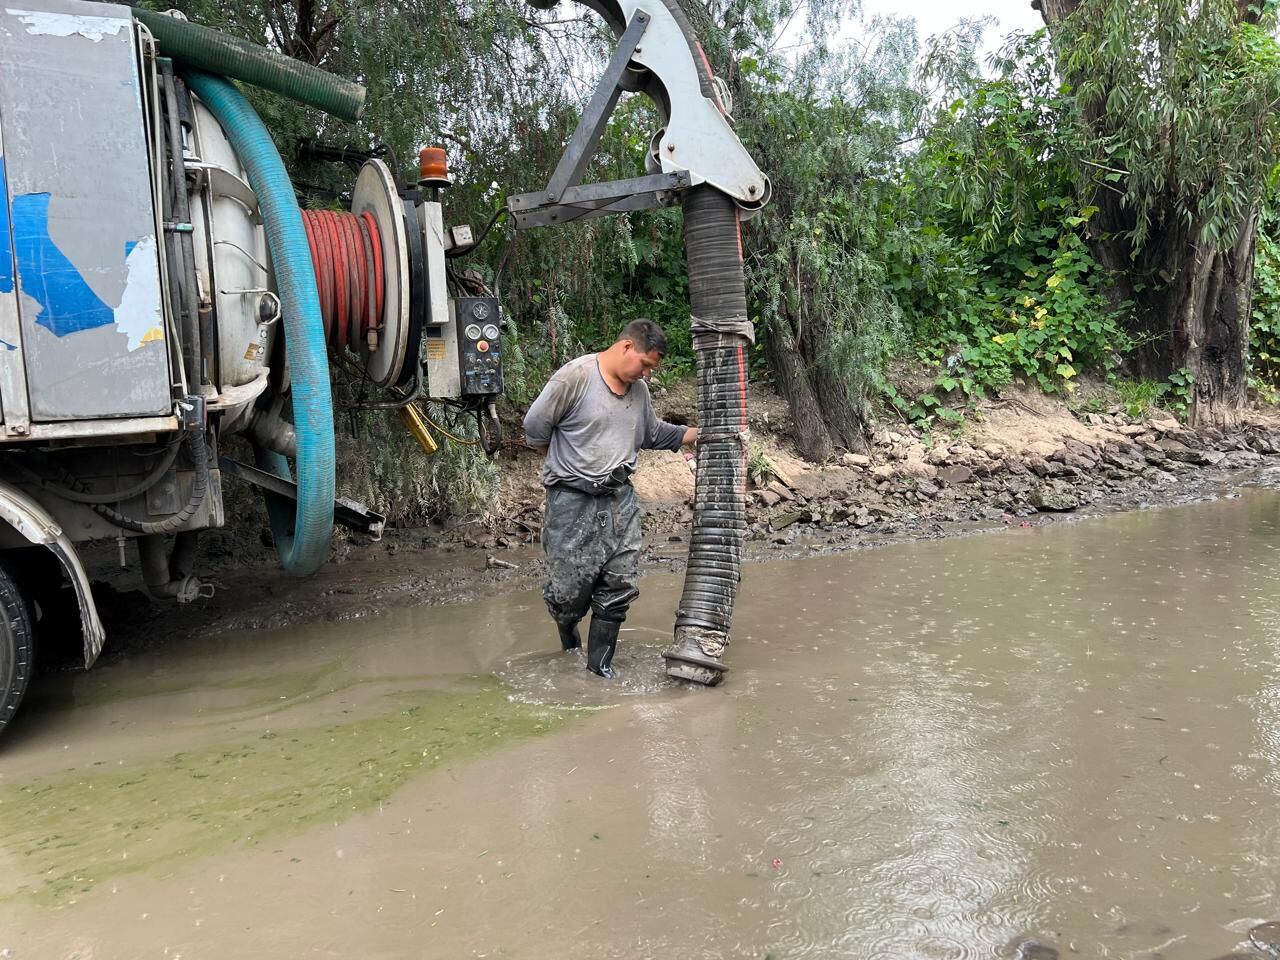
636 365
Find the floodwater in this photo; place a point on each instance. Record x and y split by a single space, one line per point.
1066 736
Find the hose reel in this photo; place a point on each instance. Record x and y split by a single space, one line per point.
370 276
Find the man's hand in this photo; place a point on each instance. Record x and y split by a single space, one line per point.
690 437
541 450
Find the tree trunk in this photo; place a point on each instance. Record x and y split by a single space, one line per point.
296 25
1193 315
788 366
1191 301
1214 327
840 413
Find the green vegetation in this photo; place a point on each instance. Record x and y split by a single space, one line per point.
996 279
1138 397
1087 203
1264 330
1174 139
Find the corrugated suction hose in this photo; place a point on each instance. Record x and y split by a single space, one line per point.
721 335
207 49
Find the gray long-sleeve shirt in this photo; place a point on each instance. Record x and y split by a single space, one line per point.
590 429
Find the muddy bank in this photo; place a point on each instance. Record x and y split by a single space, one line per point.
1023 463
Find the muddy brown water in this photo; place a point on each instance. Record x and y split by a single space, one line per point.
1069 734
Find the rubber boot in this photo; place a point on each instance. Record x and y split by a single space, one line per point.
570 639
602 641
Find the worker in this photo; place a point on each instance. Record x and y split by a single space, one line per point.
591 420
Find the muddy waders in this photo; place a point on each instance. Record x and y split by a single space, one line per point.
591 535
602 641
570 639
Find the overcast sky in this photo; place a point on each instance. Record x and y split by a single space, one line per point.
935 16
938 16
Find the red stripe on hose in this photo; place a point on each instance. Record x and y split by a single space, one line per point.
341 301
342 297
742 381
376 240
346 255
370 302
311 245
357 267
707 64
742 405
353 276
325 262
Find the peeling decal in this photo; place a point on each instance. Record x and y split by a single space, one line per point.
45 24
64 302
138 315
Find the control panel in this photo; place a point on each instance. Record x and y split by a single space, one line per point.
479 345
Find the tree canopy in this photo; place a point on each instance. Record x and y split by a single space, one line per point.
1084 204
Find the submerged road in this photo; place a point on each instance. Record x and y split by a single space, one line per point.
1069 735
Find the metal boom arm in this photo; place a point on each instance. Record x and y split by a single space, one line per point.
656 54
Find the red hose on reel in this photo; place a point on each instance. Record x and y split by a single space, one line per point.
346 252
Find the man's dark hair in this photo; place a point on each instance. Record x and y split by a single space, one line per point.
646 335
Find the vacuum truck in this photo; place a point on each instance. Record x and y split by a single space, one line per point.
161 292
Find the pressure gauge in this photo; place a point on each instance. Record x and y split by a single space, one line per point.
491 331
481 310
472 331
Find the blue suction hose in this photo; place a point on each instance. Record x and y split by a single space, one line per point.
302 532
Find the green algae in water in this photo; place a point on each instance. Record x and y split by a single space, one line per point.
65 834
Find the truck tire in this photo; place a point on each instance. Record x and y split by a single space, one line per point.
16 648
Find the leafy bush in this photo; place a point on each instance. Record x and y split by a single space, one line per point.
993 275
1264 331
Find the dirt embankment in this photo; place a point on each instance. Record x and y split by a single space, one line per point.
1021 460
1024 456
1018 457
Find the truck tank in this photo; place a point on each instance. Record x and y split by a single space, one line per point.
161 292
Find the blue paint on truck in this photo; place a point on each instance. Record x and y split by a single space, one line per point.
67 303
6 246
